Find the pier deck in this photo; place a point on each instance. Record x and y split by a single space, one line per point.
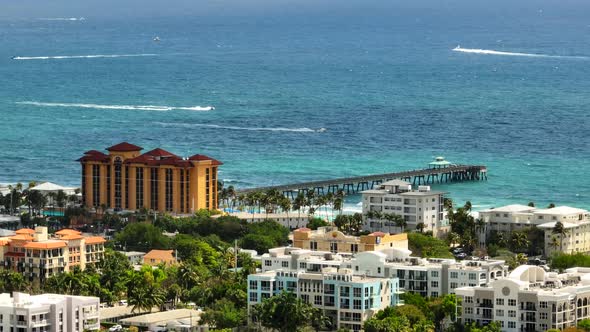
352 185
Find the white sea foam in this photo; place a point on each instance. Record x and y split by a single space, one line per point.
206 125
62 19
494 52
91 56
119 107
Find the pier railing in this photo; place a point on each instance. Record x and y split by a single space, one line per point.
455 173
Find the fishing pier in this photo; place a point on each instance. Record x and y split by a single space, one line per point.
439 171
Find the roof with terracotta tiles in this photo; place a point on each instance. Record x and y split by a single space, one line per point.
25 231
22 237
67 231
46 245
94 155
124 147
165 255
69 237
94 240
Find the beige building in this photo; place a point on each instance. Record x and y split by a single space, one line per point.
515 217
38 256
330 239
529 299
156 257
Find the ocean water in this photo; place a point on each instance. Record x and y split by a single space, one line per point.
254 92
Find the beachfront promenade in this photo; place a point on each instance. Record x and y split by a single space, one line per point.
352 185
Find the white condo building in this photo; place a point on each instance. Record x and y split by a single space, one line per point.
415 206
429 277
515 217
48 313
529 300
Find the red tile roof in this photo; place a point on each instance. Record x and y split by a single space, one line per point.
160 153
94 155
378 234
202 157
124 147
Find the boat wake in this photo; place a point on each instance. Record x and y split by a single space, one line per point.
214 126
92 56
120 107
533 55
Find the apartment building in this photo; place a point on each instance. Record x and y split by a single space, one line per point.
529 299
429 277
422 206
48 313
332 240
38 256
156 257
515 217
347 299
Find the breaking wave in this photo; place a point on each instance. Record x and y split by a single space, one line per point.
92 56
534 55
204 125
120 107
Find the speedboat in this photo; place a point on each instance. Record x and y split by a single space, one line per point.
156 39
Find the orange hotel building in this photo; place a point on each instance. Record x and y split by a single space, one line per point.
126 179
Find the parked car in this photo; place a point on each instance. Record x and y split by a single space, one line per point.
116 328
123 302
460 255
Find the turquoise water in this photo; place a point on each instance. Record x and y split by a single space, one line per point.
385 84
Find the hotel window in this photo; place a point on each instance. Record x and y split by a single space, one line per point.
169 186
454 275
472 276
186 188
469 299
499 312
453 285
268 262
214 180
154 188
109 185
543 304
317 300
95 185
356 292
434 283
511 325
126 187
207 187
313 245
469 310
357 304
253 297
499 301
253 284
84 184
434 274
139 187
543 315
284 264
512 313
118 183
182 190
512 302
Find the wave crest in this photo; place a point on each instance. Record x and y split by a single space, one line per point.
494 52
119 107
91 56
214 126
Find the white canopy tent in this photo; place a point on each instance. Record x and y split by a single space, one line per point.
47 187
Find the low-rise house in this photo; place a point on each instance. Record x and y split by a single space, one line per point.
179 320
156 257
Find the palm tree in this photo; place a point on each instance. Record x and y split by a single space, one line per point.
467 206
60 198
298 204
560 230
554 243
453 238
285 205
519 240
551 206
531 204
420 227
399 221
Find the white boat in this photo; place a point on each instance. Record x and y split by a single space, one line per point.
156 39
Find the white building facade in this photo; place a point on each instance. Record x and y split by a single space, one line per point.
422 206
428 277
48 313
529 299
